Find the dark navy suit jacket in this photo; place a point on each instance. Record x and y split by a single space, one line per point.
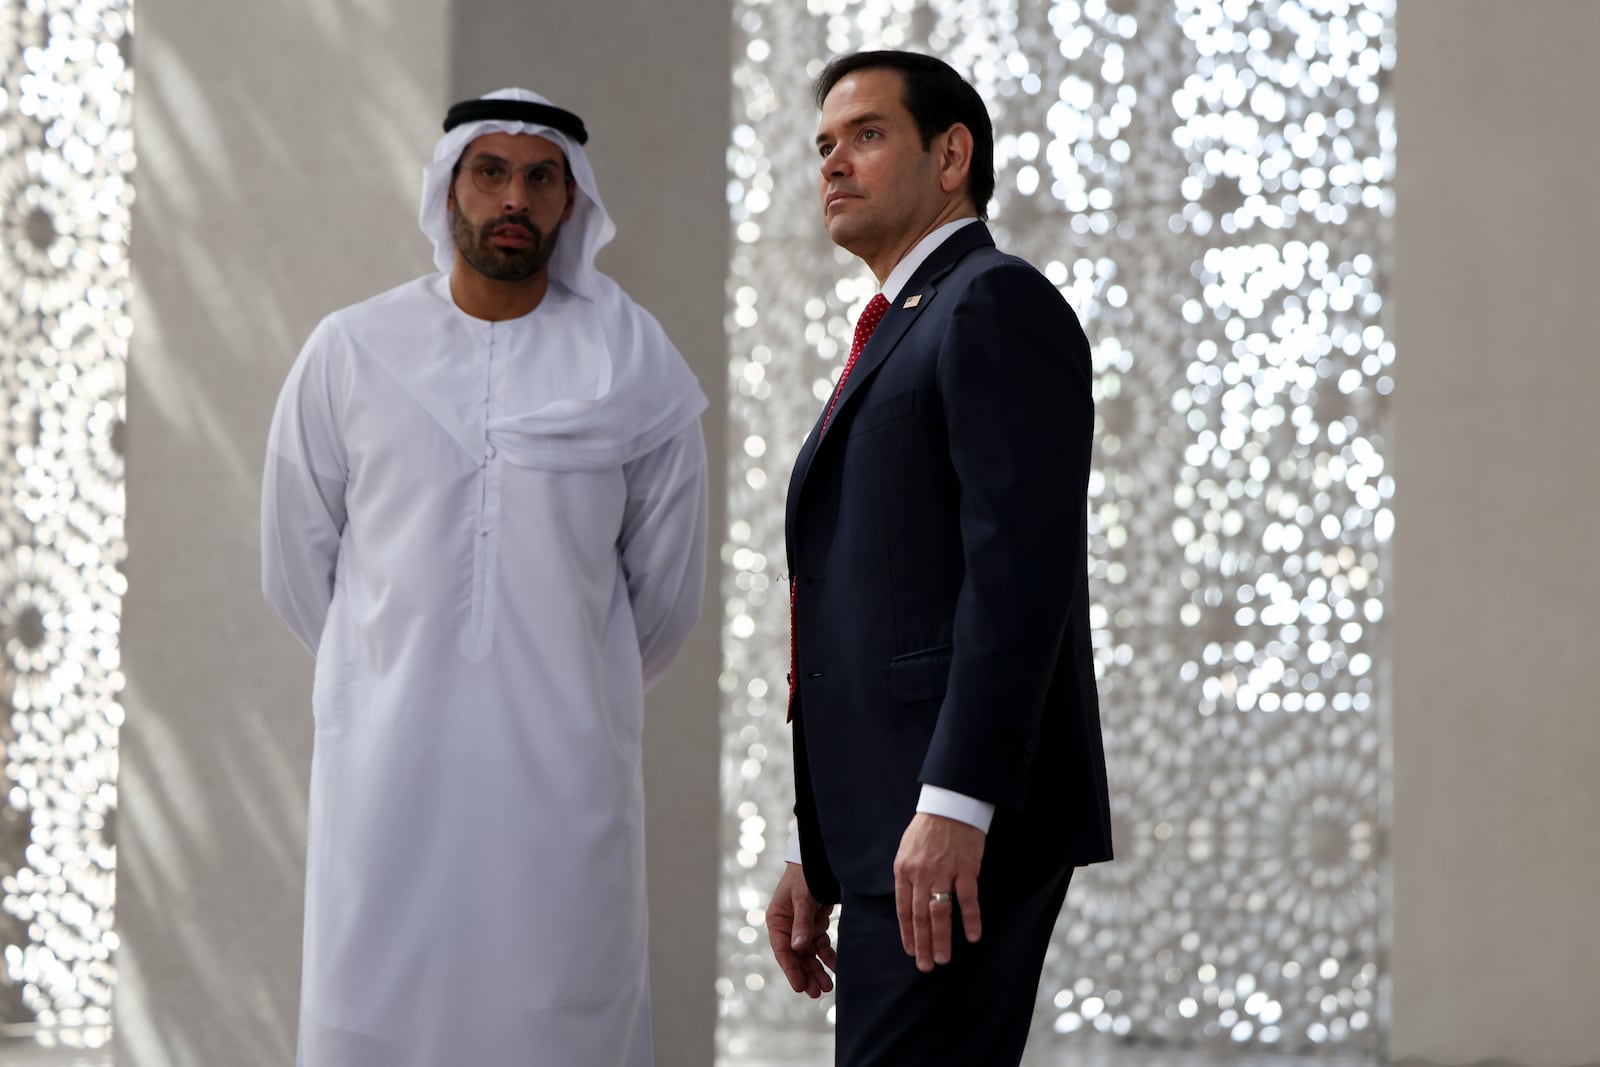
937 538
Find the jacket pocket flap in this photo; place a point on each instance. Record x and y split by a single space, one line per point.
921 675
875 415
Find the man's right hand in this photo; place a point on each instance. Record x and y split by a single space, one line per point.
797 926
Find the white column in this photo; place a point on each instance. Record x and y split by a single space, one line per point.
651 82
278 145
1496 951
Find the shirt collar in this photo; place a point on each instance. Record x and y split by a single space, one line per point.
918 255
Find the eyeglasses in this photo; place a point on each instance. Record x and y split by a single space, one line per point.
493 175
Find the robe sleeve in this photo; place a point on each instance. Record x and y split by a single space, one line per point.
302 494
663 546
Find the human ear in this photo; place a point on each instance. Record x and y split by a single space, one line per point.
955 158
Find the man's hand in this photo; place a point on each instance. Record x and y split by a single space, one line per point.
937 855
797 927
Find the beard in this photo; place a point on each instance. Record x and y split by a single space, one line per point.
503 264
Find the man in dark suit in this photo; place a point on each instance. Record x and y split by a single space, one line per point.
946 726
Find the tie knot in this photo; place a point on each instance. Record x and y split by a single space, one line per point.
871 315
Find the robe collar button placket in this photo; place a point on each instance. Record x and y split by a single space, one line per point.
488 358
488 388
488 446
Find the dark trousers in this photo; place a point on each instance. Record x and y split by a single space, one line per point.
971 1012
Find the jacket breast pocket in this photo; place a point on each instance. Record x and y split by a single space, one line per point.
883 412
921 675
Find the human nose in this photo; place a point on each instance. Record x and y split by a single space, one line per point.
518 192
835 163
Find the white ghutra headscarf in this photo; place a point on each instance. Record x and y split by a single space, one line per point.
582 236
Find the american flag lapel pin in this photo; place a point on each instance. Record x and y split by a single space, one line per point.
912 301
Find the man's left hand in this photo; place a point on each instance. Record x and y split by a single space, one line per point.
937 855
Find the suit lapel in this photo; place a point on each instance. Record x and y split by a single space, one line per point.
896 321
919 292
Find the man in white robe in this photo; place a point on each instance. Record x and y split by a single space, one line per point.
484 512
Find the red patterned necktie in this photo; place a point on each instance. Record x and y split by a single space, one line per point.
871 315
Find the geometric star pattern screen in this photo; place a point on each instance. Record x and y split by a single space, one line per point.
1210 185
66 162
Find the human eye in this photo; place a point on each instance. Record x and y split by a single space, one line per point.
489 170
870 134
823 150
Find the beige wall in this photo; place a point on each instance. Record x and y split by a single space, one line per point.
1496 846
279 151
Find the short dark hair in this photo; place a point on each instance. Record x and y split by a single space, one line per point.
937 98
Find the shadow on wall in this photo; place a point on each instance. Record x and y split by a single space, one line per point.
280 147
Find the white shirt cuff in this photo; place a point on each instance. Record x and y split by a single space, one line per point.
934 801
793 854
953 805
